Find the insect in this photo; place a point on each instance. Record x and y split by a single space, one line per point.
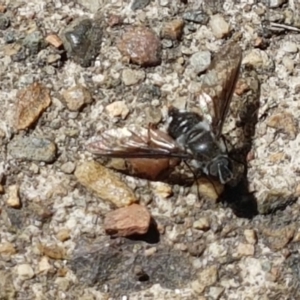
192 136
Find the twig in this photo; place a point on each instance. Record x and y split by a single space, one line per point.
283 26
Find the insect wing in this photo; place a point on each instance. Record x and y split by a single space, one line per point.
218 86
125 143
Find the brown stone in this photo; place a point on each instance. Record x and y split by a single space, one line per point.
54 40
31 102
173 29
134 219
2 9
53 251
142 46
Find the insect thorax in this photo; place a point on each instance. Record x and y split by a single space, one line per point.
193 133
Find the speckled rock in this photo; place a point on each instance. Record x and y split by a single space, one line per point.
141 46
33 149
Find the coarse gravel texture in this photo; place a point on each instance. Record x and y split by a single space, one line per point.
52 240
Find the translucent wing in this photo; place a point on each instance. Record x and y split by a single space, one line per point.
218 86
126 143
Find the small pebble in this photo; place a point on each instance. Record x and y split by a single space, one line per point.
220 28
7 249
13 199
53 251
24 271
4 22
76 97
200 61
161 189
215 292
250 236
104 183
44 266
126 221
82 39
139 4
290 47
276 3
150 251
32 149
52 59
206 278
197 16
68 167
35 42
142 46
63 235
258 59
31 102
131 77
288 63
202 224
244 250
2 9
285 122
117 109
54 40
173 29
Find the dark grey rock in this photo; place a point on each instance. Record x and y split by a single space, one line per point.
4 22
197 16
139 4
82 40
34 42
9 37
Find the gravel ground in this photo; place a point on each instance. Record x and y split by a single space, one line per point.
54 98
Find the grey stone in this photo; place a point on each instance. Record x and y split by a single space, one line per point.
32 149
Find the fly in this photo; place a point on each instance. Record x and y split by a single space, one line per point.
192 136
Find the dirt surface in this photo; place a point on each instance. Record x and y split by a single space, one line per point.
67 73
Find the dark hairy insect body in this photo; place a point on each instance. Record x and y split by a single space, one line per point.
194 136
